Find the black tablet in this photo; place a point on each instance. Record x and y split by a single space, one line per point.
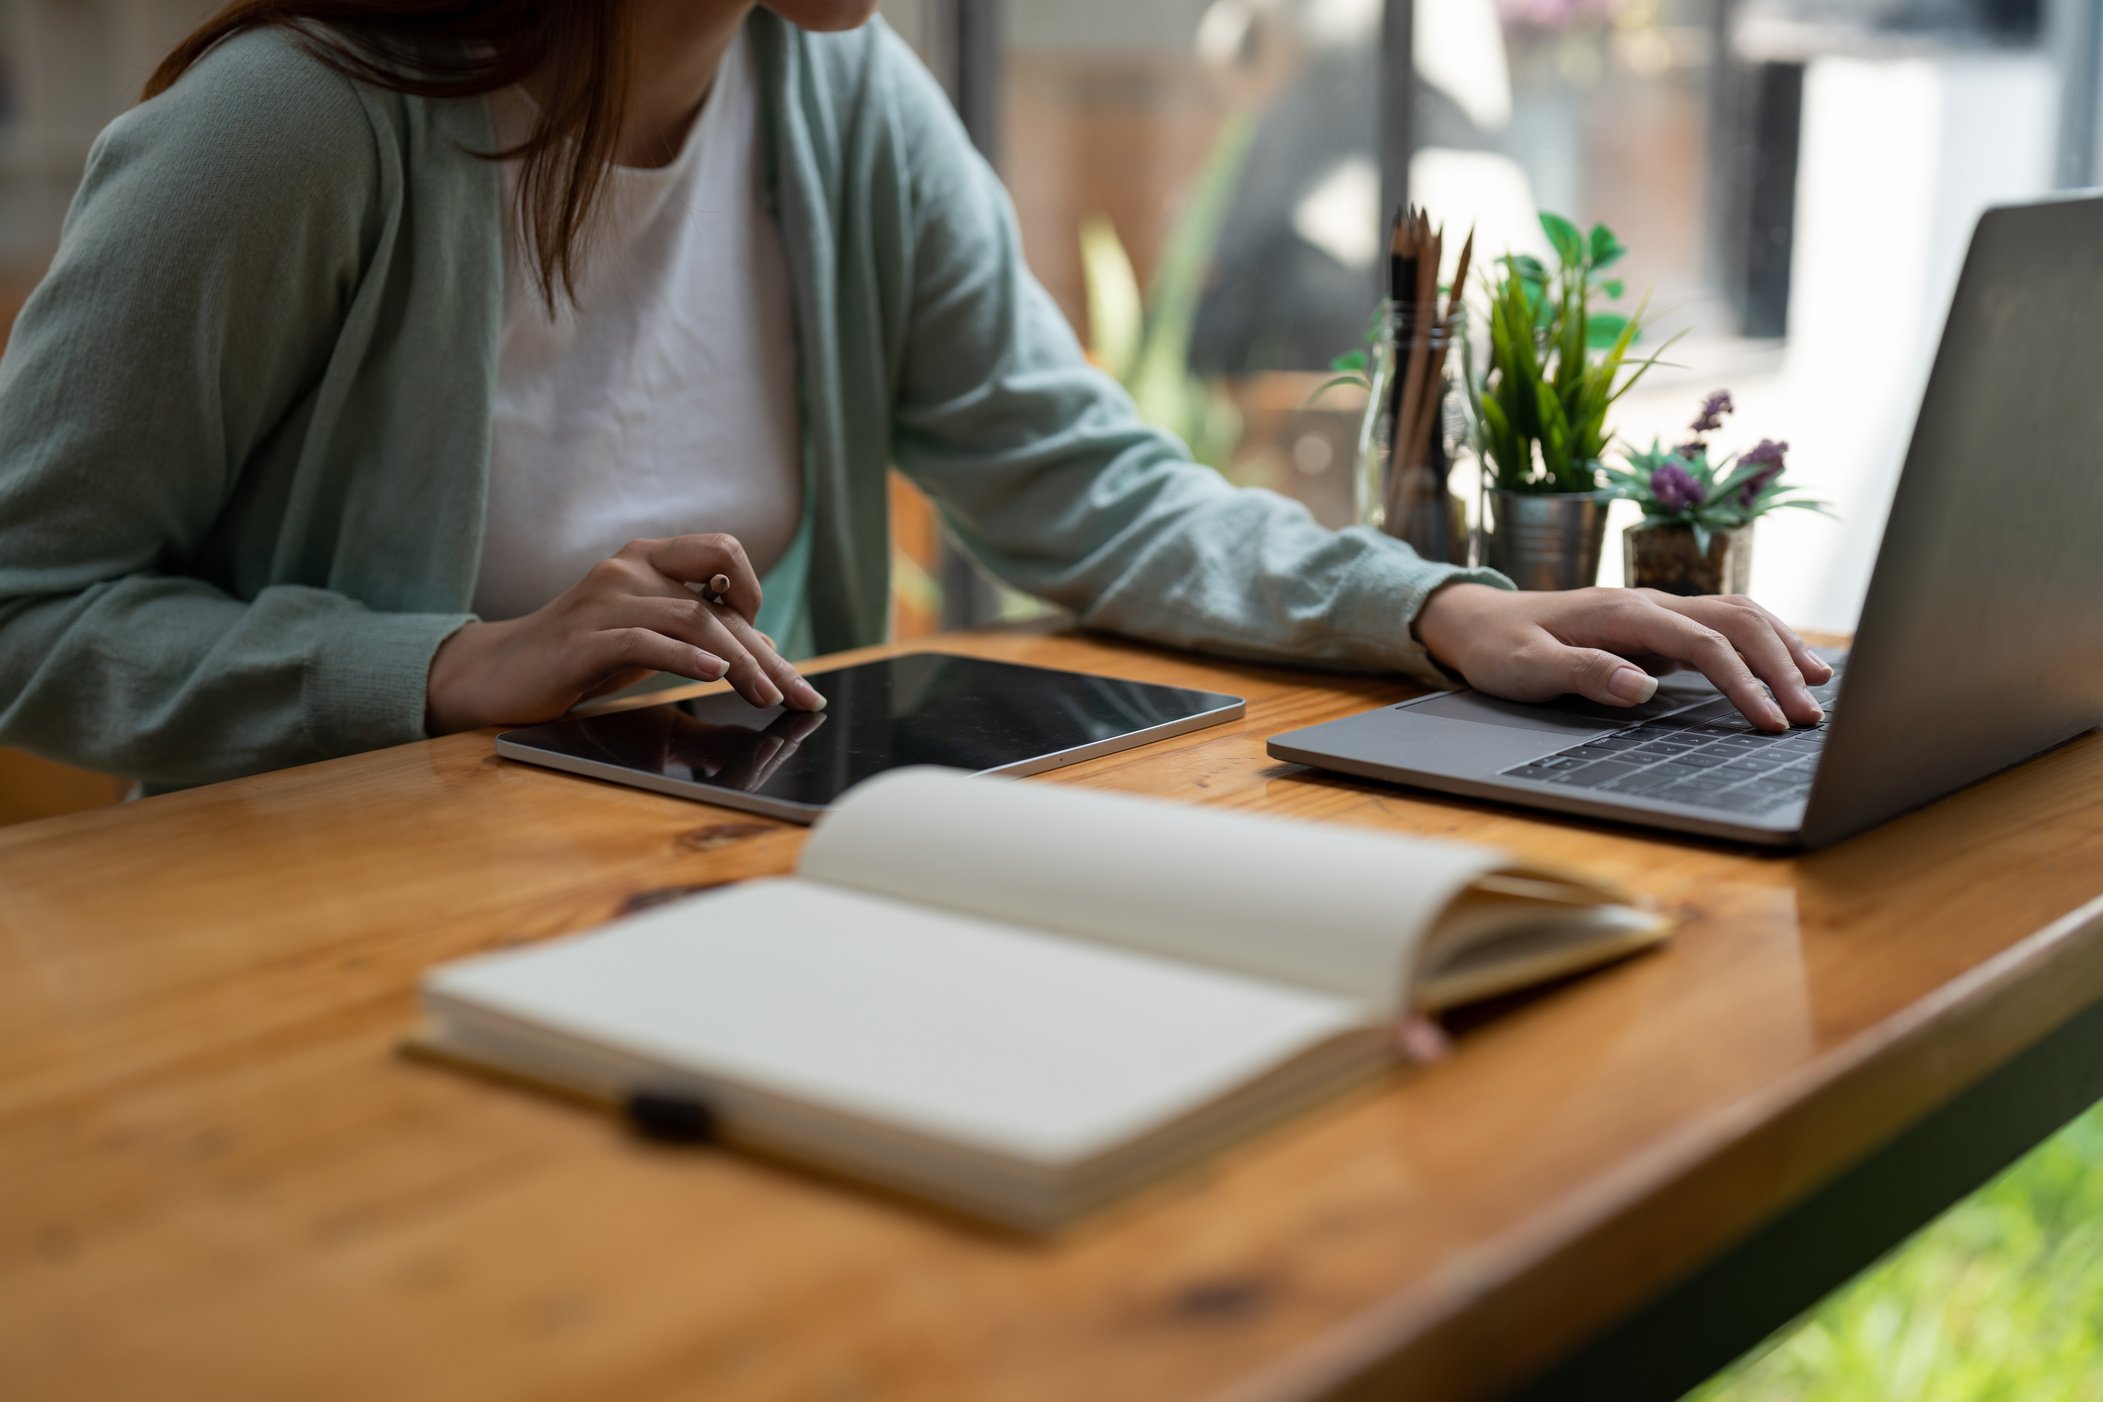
923 708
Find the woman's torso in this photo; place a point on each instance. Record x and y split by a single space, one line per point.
659 397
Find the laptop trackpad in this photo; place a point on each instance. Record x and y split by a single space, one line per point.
1569 716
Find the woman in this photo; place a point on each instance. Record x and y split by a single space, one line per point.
407 365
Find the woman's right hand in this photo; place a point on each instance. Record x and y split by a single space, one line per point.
631 615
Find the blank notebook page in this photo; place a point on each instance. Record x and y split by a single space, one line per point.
1026 1045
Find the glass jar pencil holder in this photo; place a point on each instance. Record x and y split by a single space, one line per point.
1413 436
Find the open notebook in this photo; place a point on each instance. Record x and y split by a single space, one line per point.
1018 998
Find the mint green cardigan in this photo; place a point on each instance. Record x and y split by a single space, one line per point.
245 421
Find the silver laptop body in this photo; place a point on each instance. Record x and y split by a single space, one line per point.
1980 643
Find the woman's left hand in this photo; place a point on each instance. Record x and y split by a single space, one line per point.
1610 645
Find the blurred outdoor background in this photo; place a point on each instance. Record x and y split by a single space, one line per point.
1797 180
1203 187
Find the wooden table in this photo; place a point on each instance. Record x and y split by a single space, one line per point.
222 1181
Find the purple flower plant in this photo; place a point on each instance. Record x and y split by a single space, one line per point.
1685 487
1675 489
1714 410
1769 456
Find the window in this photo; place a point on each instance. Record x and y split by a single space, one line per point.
1797 179
1198 185
66 69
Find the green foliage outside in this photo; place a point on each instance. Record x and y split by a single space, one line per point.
1143 340
1998 1300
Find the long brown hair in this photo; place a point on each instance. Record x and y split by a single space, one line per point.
470 48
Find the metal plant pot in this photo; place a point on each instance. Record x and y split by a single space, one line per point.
1546 540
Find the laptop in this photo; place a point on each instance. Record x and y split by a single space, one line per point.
1980 643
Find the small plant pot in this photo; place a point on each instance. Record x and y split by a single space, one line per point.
1546 540
1666 558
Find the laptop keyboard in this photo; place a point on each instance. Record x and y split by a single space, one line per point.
1708 757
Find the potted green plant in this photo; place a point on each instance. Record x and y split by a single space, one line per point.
1556 363
1698 512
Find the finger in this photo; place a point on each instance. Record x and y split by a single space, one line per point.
800 693
1653 664
797 726
618 681
615 650
696 559
707 627
1674 635
1599 676
749 767
1764 651
746 675
1816 669
783 749
1717 658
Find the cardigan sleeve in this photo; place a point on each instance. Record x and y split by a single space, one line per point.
209 256
1046 473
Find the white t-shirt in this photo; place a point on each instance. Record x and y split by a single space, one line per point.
663 402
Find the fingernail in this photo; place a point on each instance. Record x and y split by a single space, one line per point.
770 694
1632 684
1774 717
712 666
806 695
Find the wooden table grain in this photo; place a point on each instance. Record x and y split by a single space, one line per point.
222 1180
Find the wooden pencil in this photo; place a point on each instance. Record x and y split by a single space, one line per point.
1401 283
1404 263
1428 424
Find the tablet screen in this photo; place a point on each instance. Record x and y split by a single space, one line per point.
924 708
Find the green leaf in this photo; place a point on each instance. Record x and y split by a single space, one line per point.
1606 250
1570 351
1643 367
1701 539
1614 289
1603 330
1325 386
1160 381
1555 434
1737 480
1349 360
1569 244
1376 324
1499 443
1116 324
1646 461
1528 268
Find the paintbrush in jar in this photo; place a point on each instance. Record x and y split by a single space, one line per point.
1418 319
